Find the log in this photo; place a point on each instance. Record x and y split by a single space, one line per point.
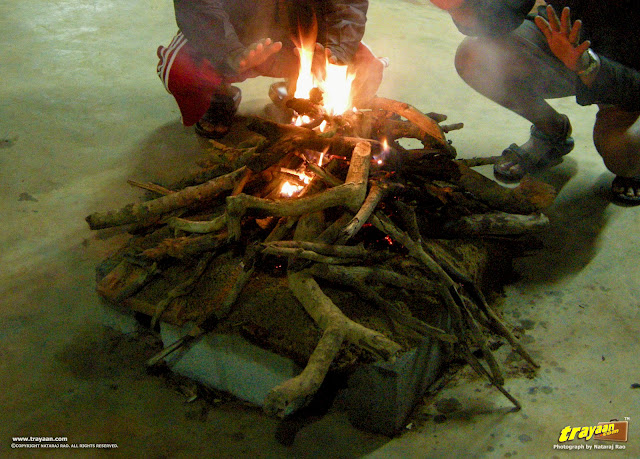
497 224
150 187
201 227
430 127
528 197
190 196
360 218
296 392
182 289
352 277
184 247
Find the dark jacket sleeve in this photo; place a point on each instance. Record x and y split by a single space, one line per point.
495 17
208 28
345 22
615 84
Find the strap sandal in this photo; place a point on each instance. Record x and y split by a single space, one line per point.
542 151
626 189
217 121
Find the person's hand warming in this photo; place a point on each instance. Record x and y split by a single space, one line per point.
564 39
254 55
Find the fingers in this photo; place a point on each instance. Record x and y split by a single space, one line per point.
544 26
257 53
331 59
574 35
583 47
553 19
565 20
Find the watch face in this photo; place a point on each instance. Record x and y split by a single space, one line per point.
593 63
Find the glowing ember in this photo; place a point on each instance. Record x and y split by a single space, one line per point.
300 120
289 189
385 145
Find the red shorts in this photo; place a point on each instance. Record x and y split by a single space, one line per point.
191 79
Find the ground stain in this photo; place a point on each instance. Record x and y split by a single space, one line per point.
527 324
448 405
26 197
524 438
7 142
527 339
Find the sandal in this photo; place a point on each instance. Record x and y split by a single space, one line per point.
626 189
217 121
517 161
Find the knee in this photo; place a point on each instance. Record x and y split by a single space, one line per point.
468 58
620 154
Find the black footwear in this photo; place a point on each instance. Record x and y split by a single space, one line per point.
626 189
218 119
516 161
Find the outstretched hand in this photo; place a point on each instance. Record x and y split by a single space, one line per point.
563 37
254 55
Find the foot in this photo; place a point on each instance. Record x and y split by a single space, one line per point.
216 123
626 189
540 152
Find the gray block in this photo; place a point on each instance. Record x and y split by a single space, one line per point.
381 396
229 363
119 319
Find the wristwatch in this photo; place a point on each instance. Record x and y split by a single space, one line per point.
592 66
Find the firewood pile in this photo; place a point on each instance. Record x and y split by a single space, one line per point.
365 235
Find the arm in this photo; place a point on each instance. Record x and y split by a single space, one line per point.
601 80
614 84
486 17
345 22
208 28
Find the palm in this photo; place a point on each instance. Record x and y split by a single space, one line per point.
563 37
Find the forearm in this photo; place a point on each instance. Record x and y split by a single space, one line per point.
613 84
208 28
345 22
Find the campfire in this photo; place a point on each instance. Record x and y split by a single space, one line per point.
331 201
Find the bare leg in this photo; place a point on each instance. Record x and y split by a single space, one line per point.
616 136
519 73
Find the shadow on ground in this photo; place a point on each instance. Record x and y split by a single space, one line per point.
578 216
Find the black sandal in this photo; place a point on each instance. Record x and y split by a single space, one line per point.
217 121
516 162
626 189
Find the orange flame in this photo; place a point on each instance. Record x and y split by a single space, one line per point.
290 189
336 85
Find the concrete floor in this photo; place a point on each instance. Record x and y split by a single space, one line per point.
81 111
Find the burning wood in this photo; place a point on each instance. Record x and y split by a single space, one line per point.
306 195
